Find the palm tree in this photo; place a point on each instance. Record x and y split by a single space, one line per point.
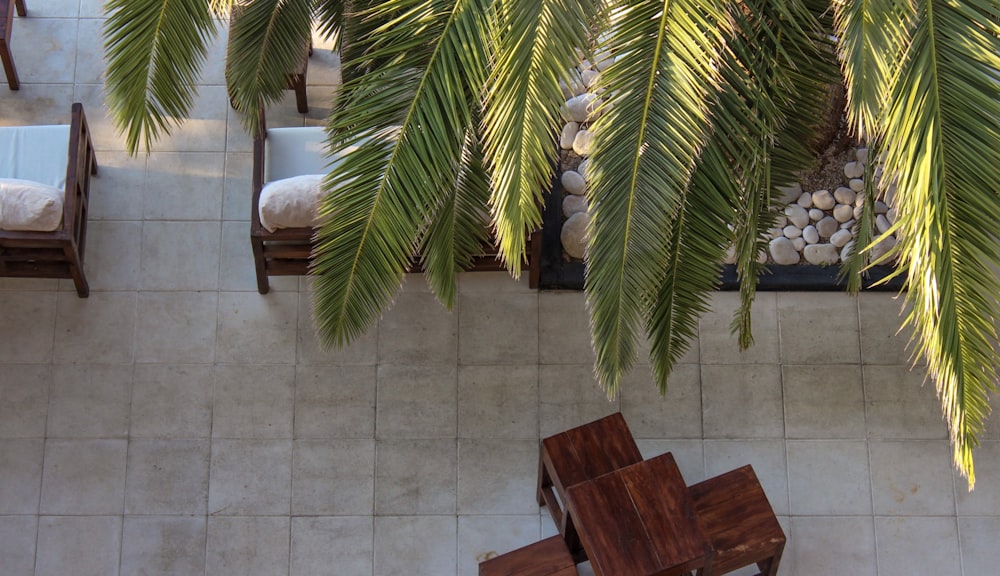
453 106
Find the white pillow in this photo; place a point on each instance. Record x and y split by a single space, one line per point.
290 203
29 206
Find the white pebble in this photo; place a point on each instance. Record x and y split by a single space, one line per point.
581 108
891 215
826 227
783 251
573 204
810 235
862 155
840 238
568 134
845 252
859 200
843 212
792 231
775 232
583 142
789 193
823 200
574 234
582 167
845 195
781 220
799 243
573 183
590 78
883 246
816 214
821 254
854 169
847 225
881 207
858 210
797 215
882 223
857 184
805 200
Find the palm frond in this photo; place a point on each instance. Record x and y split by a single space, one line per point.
942 131
646 144
331 17
155 50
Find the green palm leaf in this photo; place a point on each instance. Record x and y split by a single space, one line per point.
155 50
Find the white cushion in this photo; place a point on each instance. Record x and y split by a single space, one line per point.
32 206
291 202
36 153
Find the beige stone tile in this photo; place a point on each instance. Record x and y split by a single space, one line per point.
102 129
90 402
416 401
112 258
167 476
818 328
44 49
257 329
498 327
333 477
742 401
116 193
914 545
237 189
767 458
163 545
29 284
719 345
689 455
985 499
399 539
184 186
901 404
324 70
675 415
180 255
498 402
213 71
172 401
912 478
83 477
883 340
253 401
82 546
363 350
24 399
483 537
490 282
824 401
90 61
54 9
418 330
320 100
415 477
95 330
563 329
27 326
35 104
176 327
828 478
250 478
830 546
18 535
237 271
91 9
250 546
980 553
346 542
205 128
335 402
497 476
568 396
237 139
20 475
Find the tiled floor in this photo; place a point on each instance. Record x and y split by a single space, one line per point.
179 423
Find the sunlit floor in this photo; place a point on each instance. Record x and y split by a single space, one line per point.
179 423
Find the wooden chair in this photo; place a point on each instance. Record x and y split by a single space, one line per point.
287 251
6 23
56 254
578 455
550 557
738 519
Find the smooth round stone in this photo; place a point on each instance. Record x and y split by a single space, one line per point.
797 215
730 257
827 226
799 243
840 238
862 155
823 200
857 184
845 252
583 142
858 211
582 167
574 234
884 245
791 231
780 220
821 254
568 134
789 193
783 252
810 234
775 232
805 200
843 212
881 207
815 214
762 257
890 193
581 107
882 223
891 215
573 204
847 225
573 182
860 199
854 170
590 77
845 195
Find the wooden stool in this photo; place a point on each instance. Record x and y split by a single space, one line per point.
6 23
738 519
550 557
578 455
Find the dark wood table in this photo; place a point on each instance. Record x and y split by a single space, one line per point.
639 521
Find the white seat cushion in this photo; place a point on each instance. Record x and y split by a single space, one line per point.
36 153
30 206
291 202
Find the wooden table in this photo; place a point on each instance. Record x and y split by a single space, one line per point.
640 521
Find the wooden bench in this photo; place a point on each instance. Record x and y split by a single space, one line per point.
550 557
56 254
6 23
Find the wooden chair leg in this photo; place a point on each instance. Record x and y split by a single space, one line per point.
258 261
301 102
8 65
22 10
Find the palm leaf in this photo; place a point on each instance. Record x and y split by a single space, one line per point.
155 50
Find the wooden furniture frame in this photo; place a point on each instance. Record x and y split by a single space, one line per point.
287 251
6 23
58 254
549 557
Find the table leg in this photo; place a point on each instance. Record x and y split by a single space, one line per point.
22 10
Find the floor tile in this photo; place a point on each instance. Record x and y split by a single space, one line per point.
335 402
116 191
831 546
17 544
912 478
400 539
83 477
985 499
236 269
44 49
674 415
176 327
205 128
172 401
184 186
818 328
742 401
82 545
346 542
416 401
883 340
483 537
19 310
95 330
256 329
333 477
55 9
253 401
767 458
916 545
901 405
20 475
112 256
247 546
563 329
237 189
180 255
163 546
415 477
828 478
980 553
497 328
362 351
569 396
497 476
689 455
719 345
418 330
90 402
167 476
823 401
89 41
24 399
250 478
498 402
